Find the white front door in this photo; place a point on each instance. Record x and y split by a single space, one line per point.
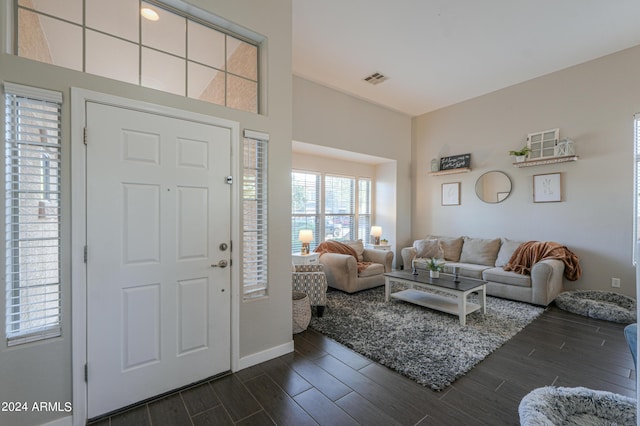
158 219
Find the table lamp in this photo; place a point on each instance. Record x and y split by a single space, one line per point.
305 237
376 233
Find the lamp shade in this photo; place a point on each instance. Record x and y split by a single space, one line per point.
305 236
376 231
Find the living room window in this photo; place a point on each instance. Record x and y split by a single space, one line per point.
305 206
32 213
334 207
157 46
636 224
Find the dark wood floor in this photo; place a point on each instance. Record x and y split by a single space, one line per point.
323 382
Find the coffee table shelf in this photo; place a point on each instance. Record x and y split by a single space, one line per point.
434 301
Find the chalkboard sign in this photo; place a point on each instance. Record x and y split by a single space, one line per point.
455 162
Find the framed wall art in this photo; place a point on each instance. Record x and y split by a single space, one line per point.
547 188
451 194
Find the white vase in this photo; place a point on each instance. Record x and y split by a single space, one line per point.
520 158
434 274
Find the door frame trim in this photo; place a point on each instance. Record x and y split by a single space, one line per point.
79 99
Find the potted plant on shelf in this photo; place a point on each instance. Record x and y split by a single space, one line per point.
520 154
435 266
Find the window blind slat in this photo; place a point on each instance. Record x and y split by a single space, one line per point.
32 214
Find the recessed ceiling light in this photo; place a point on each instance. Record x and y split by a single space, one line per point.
149 14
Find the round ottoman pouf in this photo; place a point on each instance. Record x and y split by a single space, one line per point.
603 305
301 312
549 406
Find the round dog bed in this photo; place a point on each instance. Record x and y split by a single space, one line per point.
604 305
578 406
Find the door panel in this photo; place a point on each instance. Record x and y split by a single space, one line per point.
158 207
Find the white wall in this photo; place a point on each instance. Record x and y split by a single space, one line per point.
42 371
593 104
325 117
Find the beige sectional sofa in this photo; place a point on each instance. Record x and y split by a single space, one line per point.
484 259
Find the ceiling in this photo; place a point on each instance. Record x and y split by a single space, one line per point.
439 52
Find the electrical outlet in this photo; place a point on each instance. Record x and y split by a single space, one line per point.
615 282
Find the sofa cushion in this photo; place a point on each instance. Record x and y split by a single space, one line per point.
372 270
451 247
499 275
480 251
358 247
468 270
506 250
428 249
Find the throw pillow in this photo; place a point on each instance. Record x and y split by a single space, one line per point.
479 251
506 251
428 249
451 247
358 246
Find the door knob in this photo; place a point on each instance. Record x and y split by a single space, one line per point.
222 264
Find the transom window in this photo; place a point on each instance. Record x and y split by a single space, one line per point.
333 207
144 43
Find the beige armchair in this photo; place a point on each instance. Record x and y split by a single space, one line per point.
342 269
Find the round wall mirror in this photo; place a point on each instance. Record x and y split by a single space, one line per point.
493 187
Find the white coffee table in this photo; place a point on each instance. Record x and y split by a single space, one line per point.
421 284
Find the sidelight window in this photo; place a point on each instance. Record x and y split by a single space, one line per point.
254 206
32 213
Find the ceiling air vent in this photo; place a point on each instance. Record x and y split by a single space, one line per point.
375 78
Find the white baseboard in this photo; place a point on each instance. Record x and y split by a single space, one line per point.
65 421
266 355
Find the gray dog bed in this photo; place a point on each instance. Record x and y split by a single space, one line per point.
549 406
603 305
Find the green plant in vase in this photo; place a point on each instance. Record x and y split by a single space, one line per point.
435 266
520 154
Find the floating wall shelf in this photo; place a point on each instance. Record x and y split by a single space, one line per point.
451 171
543 161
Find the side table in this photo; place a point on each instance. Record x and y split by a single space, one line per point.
305 259
383 247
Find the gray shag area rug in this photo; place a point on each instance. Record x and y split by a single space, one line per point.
598 304
550 405
430 347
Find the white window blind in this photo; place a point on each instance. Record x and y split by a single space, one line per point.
636 224
32 213
364 209
254 204
339 207
334 207
305 207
